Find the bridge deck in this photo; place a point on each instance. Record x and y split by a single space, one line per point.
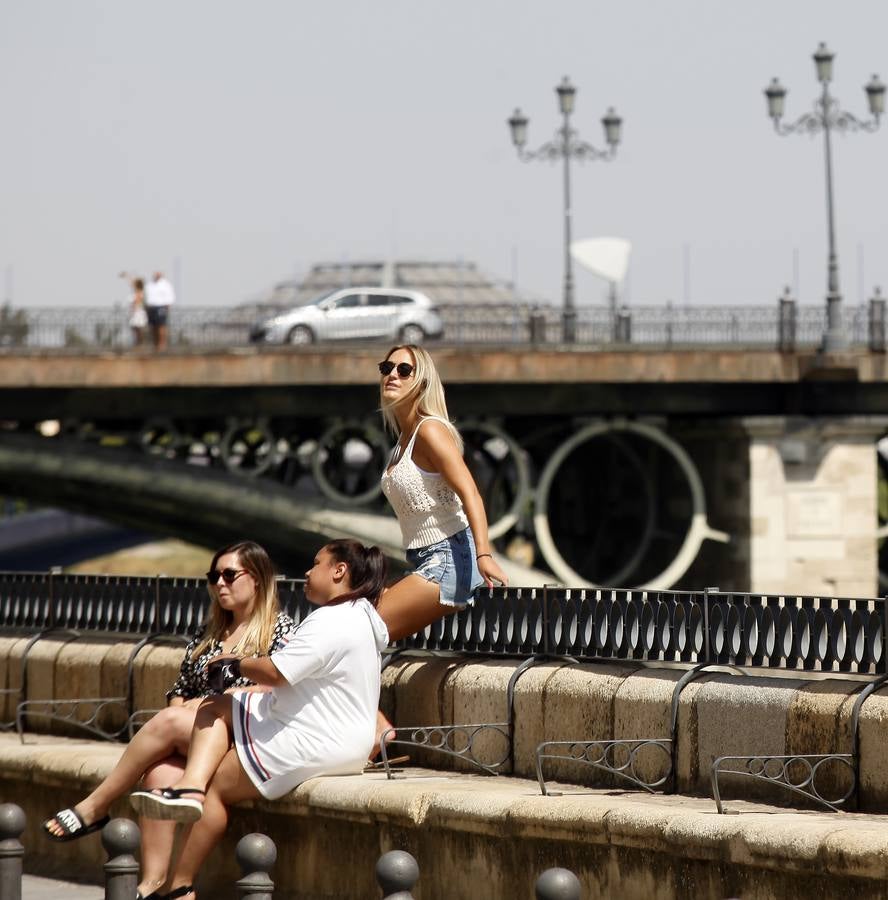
492 380
354 366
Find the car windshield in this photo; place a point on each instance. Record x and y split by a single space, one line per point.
322 297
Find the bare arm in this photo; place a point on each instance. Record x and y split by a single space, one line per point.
436 450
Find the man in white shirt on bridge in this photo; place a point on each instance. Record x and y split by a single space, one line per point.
159 297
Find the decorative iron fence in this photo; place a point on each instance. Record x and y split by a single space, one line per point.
783 325
712 627
36 601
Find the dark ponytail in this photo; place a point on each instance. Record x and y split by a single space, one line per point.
367 568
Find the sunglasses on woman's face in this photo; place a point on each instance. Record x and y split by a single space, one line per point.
229 576
404 370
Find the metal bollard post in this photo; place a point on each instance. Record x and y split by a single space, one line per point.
121 839
256 854
396 873
12 824
557 884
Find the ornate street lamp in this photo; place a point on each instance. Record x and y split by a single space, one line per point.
566 145
826 117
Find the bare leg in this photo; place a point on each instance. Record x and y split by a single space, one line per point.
230 785
210 741
165 733
407 607
158 836
411 605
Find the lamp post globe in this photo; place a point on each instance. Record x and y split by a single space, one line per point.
565 146
827 117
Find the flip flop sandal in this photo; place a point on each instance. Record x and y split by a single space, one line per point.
168 804
73 826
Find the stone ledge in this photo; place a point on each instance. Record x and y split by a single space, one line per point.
469 830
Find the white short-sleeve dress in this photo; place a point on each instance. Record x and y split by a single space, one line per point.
323 721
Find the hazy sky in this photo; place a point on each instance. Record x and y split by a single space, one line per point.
241 142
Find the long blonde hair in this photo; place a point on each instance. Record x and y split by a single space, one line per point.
258 634
426 393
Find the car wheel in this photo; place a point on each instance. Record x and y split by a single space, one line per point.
412 334
300 335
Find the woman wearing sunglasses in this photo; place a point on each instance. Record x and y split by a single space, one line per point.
245 618
433 494
319 717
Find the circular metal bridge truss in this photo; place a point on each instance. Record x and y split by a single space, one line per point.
602 503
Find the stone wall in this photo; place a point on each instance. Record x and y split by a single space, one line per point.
472 833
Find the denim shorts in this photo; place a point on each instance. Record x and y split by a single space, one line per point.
451 564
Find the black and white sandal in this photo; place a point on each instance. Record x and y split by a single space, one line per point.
73 826
168 804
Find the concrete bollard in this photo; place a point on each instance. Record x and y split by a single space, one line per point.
12 824
121 839
557 884
256 854
396 873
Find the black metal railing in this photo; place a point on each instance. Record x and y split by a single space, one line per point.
35 601
779 631
712 627
783 325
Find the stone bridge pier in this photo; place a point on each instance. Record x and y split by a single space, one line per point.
814 504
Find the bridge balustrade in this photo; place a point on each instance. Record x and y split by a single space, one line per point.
99 328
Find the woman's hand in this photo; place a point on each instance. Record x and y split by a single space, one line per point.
490 571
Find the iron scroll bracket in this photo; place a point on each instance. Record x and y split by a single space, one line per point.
459 741
798 772
620 756
87 713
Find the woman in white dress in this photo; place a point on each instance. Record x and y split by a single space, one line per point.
319 717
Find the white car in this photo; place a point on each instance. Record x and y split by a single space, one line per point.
354 313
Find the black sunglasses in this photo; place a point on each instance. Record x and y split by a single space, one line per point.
229 576
405 370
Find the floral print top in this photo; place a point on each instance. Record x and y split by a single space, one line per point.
192 680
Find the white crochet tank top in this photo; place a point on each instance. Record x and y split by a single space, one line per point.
428 509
